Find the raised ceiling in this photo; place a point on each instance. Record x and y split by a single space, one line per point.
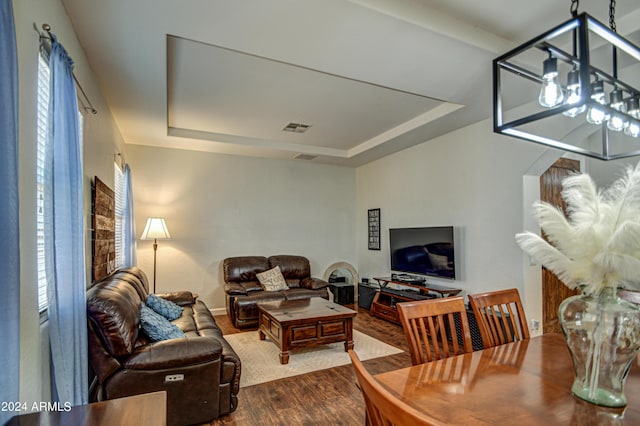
370 77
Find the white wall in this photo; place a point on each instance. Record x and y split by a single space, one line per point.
470 178
217 206
604 173
101 141
480 182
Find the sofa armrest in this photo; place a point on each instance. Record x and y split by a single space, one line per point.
234 289
182 298
174 353
313 283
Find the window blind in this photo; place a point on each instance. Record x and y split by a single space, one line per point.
41 143
119 214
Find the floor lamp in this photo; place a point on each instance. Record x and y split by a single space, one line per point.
155 230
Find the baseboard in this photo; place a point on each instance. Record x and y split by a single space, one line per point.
218 311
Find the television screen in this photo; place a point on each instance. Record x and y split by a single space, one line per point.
424 251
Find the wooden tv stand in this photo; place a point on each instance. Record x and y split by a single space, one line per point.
384 302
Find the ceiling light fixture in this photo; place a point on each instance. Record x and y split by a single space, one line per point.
587 52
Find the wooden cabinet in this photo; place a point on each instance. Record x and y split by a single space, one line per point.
384 302
384 305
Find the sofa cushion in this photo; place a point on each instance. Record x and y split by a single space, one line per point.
156 326
250 286
113 306
272 280
174 354
134 277
196 320
294 268
244 268
303 293
235 289
166 308
313 283
180 298
246 305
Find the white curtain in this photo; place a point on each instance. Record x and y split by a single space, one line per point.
128 225
64 236
9 236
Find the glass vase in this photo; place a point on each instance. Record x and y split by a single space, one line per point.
603 335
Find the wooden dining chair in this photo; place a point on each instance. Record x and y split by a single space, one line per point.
430 328
382 408
630 296
500 317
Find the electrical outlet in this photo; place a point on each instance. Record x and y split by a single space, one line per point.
535 324
173 378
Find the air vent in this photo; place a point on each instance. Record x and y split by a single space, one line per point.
305 157
296 127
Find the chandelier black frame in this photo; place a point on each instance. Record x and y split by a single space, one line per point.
580 27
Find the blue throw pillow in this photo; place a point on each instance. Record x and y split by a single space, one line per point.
156 326
164 307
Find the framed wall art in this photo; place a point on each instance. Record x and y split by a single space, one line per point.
374 229
104 230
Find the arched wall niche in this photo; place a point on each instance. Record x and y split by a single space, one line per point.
343 269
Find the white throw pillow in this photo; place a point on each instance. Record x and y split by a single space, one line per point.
272 280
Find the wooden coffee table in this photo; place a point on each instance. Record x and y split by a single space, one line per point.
295 324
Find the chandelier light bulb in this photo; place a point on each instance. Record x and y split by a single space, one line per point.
573 94
632 127
595 114
616 122
551 91
632 106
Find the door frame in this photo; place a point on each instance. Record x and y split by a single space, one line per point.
532 271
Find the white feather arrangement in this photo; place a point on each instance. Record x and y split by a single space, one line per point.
598 245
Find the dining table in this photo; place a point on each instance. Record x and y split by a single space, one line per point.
521 383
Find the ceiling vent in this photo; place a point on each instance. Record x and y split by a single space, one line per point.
296 127
305 157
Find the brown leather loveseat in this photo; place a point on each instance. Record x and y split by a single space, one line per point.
244 290
200 373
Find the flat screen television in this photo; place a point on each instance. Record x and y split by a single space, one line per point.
424 251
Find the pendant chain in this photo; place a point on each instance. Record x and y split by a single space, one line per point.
574 7
612 16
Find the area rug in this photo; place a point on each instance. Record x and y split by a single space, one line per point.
261 358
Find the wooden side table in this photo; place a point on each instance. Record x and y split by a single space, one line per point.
342 293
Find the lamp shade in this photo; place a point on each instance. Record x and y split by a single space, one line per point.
155 229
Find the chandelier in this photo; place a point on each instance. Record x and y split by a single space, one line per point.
575 87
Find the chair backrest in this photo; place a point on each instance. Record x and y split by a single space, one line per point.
500 317
382 407
430 328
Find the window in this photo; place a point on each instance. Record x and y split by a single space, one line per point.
41 140
120 193
42 191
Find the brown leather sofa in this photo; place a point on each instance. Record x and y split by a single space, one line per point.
200 373
244 290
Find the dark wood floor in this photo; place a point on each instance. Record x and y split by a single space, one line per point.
326 397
